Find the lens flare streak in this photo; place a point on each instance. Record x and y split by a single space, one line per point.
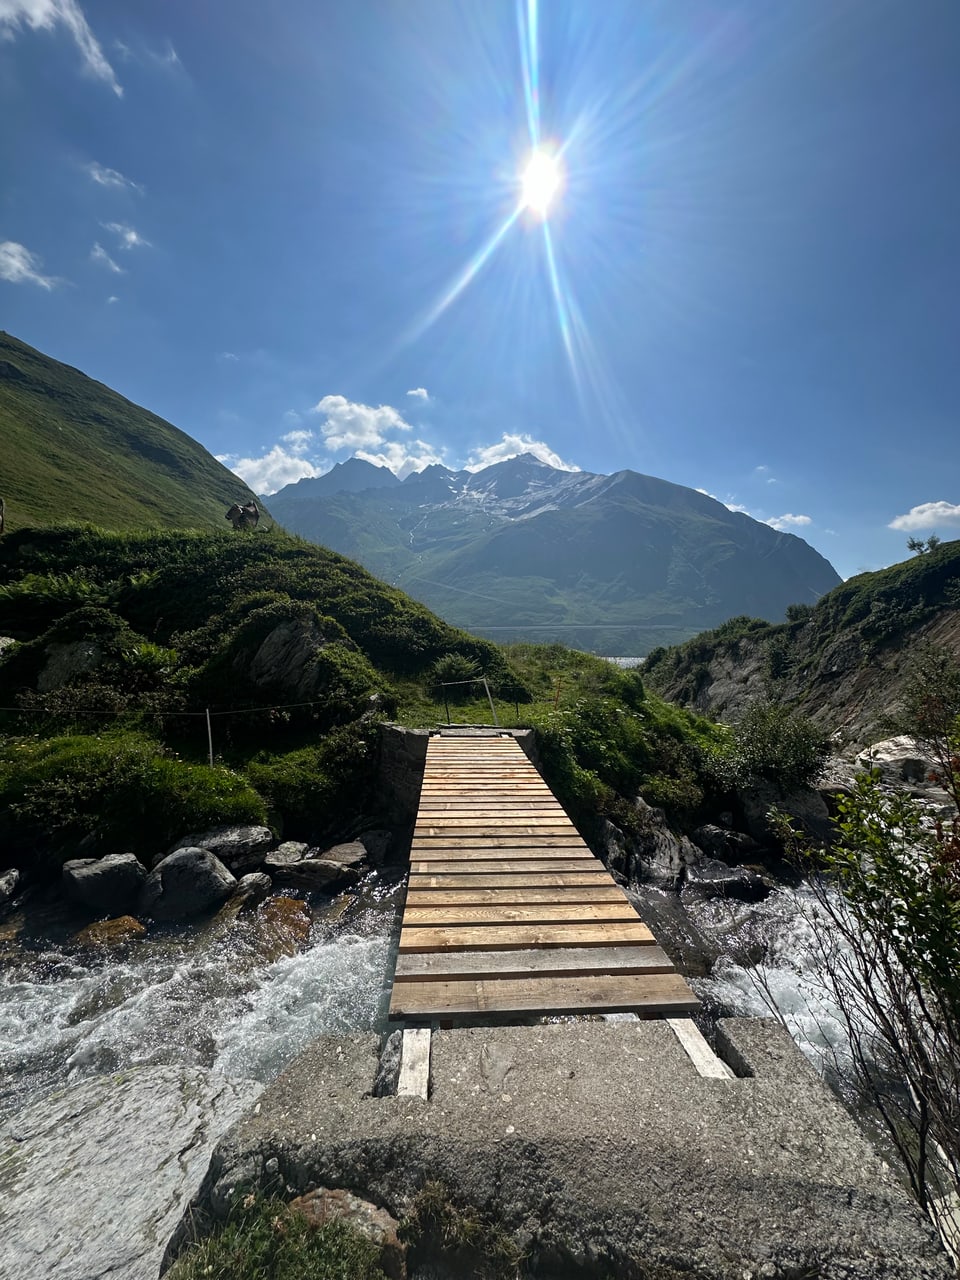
530 64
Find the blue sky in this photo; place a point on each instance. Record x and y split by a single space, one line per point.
293 229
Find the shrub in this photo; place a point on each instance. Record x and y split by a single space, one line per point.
314 789
121 788
776 744
454 670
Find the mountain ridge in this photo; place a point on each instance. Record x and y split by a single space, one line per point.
617 563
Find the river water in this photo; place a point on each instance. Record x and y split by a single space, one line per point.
232 996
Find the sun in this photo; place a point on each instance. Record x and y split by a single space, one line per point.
541 181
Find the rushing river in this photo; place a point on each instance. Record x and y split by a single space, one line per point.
233 996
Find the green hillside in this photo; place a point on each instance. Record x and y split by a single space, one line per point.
73 450
842 661
122 641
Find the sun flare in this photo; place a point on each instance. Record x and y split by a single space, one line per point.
541 180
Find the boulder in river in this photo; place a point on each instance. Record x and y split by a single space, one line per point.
110 933
337 868
185 883
240 849
653 853
732 847
110 885
806 807
899 760
284 855
9 883
710 878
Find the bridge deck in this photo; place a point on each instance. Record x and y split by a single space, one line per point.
508 911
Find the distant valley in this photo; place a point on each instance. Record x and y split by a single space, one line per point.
615 564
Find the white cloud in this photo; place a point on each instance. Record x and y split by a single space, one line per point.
272 470
99 254
228 357
47 14
298 440
113 298
402 457
19 266
737 506
126 236
787 522
347 425
927 516
511 446
105 177
419 393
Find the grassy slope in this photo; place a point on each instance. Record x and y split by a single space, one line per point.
73 450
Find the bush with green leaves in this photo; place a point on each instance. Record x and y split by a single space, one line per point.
314 790
889 951
121 788
772 743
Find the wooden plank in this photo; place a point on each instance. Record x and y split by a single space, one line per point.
698 1050
653 994
512 838
536 913
414 1078
516 896
508 866
444 853
508 880
510 936
428 967
505 826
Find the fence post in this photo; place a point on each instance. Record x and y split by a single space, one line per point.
493 710
210 737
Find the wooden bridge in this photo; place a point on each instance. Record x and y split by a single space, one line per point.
508 914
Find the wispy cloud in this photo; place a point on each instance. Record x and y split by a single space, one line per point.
511 446
787 523
99 255
45 15
927 516
105 177
113 298
19 266
348 425
228 357
127 237
419 393
403 457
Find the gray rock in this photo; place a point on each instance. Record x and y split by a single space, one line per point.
373 1223
284 855
110 885
67 660
732 847
654 854
712 879
899 760
806 807
95 1177
317 875
241 849
377 844
9 883
352 854
185 883
253 888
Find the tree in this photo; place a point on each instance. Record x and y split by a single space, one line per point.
919 547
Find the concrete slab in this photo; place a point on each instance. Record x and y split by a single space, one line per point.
602 1150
